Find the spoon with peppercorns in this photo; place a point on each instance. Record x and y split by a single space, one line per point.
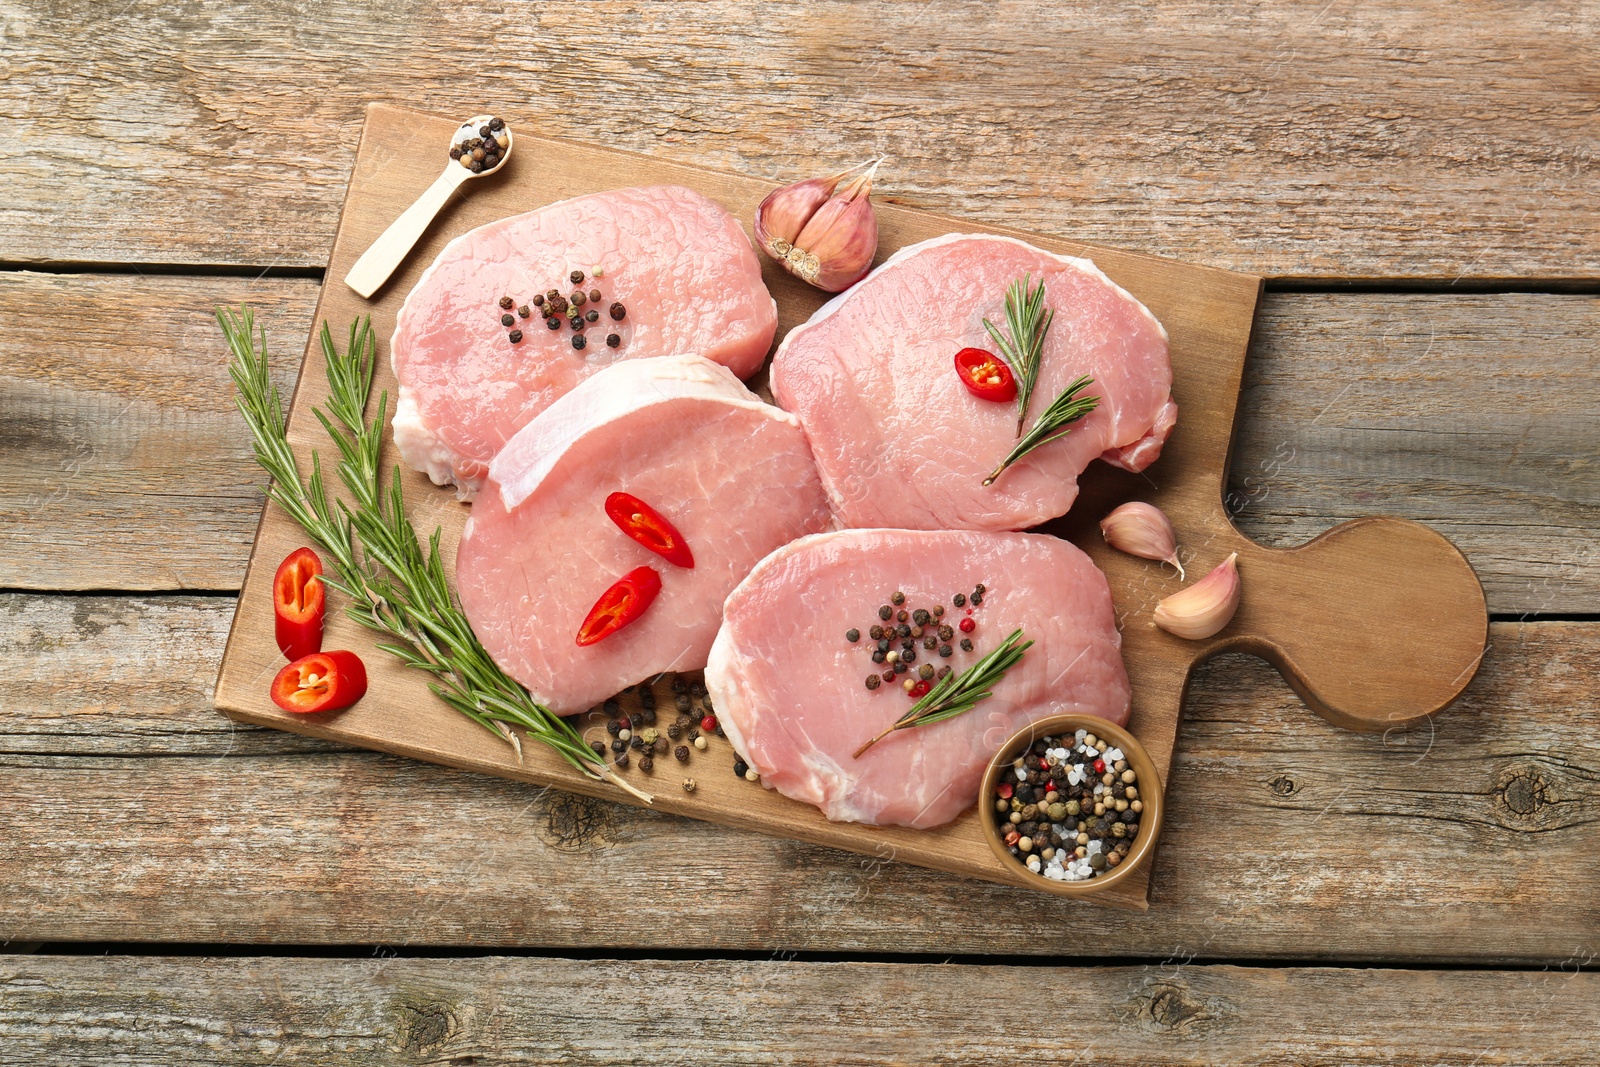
480 146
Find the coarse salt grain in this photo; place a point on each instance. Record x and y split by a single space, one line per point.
1022 775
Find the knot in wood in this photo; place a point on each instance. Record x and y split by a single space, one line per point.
574 823
1173 1007
425 1026
1523 791
1282 785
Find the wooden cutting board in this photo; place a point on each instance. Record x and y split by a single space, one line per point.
1376 624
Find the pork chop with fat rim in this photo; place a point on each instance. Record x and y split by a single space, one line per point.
730 473
901 442
681 267
791 691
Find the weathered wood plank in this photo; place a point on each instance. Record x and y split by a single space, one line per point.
1303 139
510 1010
123 464
1478 414
1285 838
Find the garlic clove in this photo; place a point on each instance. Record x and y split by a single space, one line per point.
1142 530
821 233
1205 607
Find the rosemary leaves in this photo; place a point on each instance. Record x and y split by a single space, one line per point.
1028 320
956 694
395 585
1054 423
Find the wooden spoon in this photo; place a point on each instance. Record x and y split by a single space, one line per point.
380 260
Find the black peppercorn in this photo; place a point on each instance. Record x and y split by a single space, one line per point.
646 764
618 311
898 598
455 151
599 747
740 767
902 616
553 322
538 300
878 656
613 727
476 166
578 298
505 301
873 681
485 131
619 745
591 315
613 340
557 302
674 731
523 312
578 341
852 635
885 613
946 633
497 124
921 617
903 630
966 644
576 322
681 701
876 633
577 277
622 759
515 336
930 643
958 600
507 319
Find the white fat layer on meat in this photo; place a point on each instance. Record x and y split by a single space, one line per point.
617 392
421 449
1078 262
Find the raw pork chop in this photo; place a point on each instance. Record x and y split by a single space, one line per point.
789 688
682 434
899 440
679 264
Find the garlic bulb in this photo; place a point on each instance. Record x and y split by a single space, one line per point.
820 233
1142 530
1205 607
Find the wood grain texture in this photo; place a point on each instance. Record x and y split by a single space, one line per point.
1479 415
1286 838
1421 139
123 464
508 1010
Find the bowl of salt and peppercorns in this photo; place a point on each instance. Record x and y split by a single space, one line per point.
1071 804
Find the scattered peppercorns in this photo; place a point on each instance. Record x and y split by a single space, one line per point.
515 336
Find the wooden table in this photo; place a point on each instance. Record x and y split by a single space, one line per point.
1418 182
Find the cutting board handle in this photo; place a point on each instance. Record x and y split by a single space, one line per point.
1377 624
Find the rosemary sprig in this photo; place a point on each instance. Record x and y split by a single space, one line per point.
1028 321
1052 424
958 693
395 586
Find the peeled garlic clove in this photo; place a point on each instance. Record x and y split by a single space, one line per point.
1142 530
1205 607
820 233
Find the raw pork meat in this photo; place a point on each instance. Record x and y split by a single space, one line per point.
680 265
681 433
899 440
789 687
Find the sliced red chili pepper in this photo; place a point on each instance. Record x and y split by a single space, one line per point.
986 375
322 681
624 602
298 604
646 525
